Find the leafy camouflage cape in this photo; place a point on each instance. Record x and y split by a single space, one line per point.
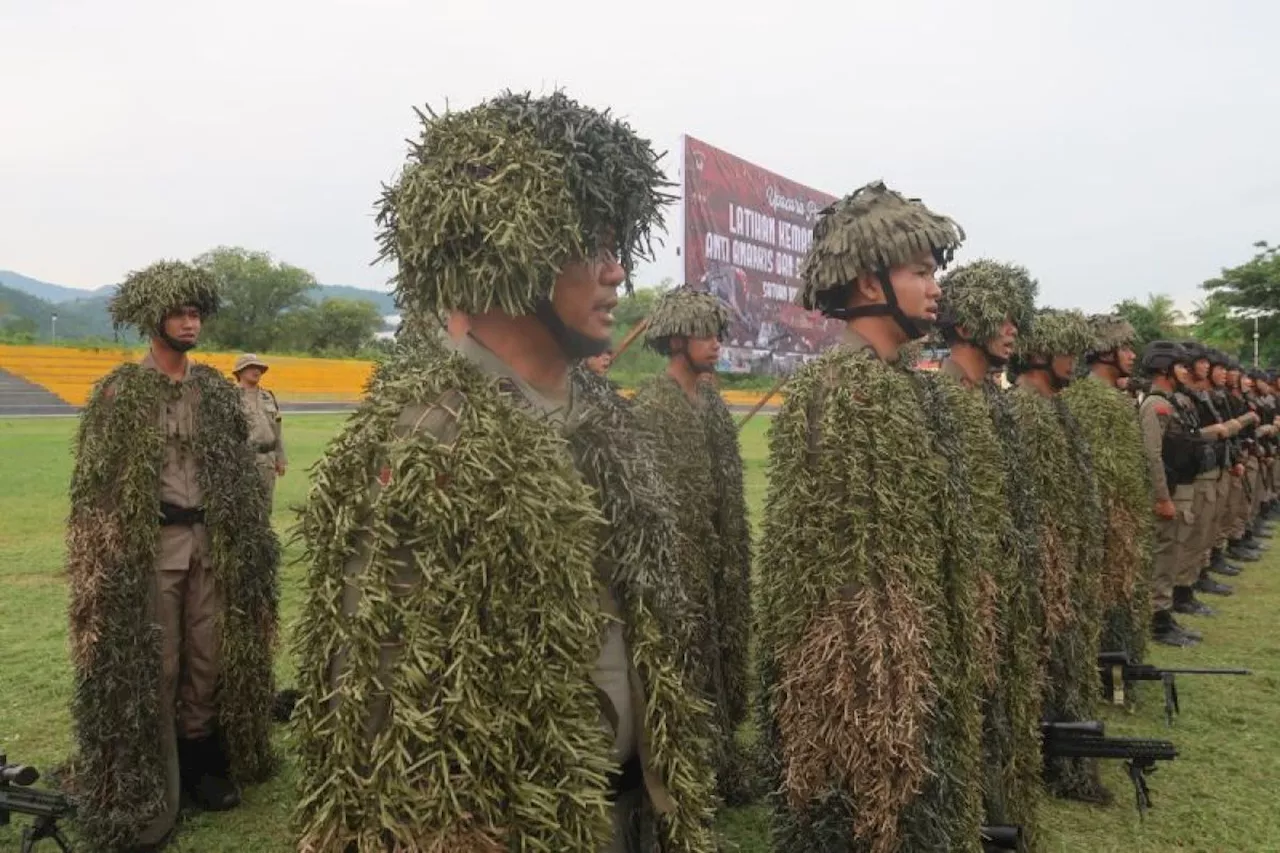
1070 533
1006 601
697 452
112 538
494 741
869 714
1109 421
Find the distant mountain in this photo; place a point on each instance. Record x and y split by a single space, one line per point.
42 289
83 313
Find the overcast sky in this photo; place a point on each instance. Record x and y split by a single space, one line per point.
1114 148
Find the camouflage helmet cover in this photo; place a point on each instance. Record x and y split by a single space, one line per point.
685 312
1054 331
981 294
872 230
147 296
1110 332
495 200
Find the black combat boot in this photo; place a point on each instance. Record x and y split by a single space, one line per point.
1209 586
1261 530
206 774
1237 550
1251 541
1191 634
1164 632
1185 602
1218 563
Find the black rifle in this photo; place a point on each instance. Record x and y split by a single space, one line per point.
997 838
1118 672
47 807
1088 740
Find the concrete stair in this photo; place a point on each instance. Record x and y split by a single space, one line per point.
20 397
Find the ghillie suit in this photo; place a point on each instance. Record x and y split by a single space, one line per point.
977 299
1070 532
474 548
700 460
869 706
1109 421
124 735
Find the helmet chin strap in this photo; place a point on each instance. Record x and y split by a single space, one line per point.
912 328
1055 380
1112 359
573 344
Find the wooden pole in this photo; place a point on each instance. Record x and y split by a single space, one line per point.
777 386
636 331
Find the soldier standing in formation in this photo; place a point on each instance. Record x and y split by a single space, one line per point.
870 714
172 567
1107 420
699 458
1069 530
1175 452
266 436
494 633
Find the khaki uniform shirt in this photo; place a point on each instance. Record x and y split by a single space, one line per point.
265 433
1153 417
179 481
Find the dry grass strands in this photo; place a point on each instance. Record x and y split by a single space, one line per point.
980 295
685 312
112 536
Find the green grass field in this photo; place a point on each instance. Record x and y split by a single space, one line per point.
1219 795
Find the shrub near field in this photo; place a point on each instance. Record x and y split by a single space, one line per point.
1219 794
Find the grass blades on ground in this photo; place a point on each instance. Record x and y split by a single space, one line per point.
1219 795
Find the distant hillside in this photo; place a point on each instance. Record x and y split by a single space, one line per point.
83 313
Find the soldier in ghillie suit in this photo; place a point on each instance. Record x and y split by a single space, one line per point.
699 458
172 564
1070 531
491 646
984 306
867 582
1110 424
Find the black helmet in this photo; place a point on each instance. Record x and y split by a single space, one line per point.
1195 351
1161 356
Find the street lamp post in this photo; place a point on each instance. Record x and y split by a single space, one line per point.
1255 341
53 326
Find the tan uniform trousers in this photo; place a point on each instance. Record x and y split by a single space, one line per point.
1202 512
1259 489
1222 525
266 463
1174 537
1238 506
186 608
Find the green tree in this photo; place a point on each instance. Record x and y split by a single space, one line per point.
1153 320
1251 292
257 291
1217 326
342 326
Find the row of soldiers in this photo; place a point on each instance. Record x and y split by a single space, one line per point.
528 601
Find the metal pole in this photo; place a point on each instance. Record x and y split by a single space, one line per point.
54 328
1255 340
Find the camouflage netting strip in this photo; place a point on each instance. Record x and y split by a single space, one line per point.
1015 800
495 200
1109 332
495 741
949 812
979 296
1053 332
1070 534
871 229
1109 423
112 539
849 569
616 458
685 312
146 296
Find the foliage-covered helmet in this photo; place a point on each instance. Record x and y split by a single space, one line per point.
495 200
869 232
147 296
981 294
1054 331
685 312
1110 333
1161 356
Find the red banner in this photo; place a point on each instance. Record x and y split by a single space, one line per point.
746 232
